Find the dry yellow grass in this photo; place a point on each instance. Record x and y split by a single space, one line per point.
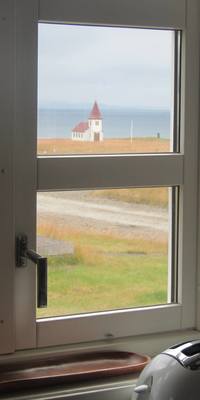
151 196
111 241
138 145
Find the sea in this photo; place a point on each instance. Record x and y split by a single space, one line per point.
117 122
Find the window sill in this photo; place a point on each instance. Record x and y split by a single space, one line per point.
144 344
96 390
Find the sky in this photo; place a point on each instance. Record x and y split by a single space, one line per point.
118 67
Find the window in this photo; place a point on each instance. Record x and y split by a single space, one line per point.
48 176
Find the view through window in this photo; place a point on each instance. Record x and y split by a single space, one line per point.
104 90
106 249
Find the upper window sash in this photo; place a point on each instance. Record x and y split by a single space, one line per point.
140 13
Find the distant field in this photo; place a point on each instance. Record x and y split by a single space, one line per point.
138 145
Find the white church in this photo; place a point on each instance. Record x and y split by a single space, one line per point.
90 131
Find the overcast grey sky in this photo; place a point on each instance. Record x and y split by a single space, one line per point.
115 66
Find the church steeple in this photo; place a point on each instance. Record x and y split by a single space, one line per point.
95 113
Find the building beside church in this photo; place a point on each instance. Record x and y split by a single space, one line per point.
91 130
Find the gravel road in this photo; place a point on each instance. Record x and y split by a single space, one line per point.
82 210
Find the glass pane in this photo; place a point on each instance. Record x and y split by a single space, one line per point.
104 89
107 249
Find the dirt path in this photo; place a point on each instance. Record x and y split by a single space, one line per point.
80 209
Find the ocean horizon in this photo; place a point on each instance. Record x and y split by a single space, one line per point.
117 122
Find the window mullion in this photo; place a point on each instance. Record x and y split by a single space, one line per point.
89 172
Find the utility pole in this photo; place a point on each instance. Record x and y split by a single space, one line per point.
131 131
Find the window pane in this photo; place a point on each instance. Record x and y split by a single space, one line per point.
104 89
107 249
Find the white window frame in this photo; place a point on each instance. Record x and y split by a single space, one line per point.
18 122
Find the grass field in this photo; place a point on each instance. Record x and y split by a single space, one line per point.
104 272
138 145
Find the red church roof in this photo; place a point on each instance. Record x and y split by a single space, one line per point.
95 113
81 127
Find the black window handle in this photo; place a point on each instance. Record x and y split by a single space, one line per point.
22 254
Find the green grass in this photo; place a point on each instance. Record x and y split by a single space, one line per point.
106 272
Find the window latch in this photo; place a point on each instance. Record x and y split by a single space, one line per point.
22 254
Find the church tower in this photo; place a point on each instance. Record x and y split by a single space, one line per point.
95 124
